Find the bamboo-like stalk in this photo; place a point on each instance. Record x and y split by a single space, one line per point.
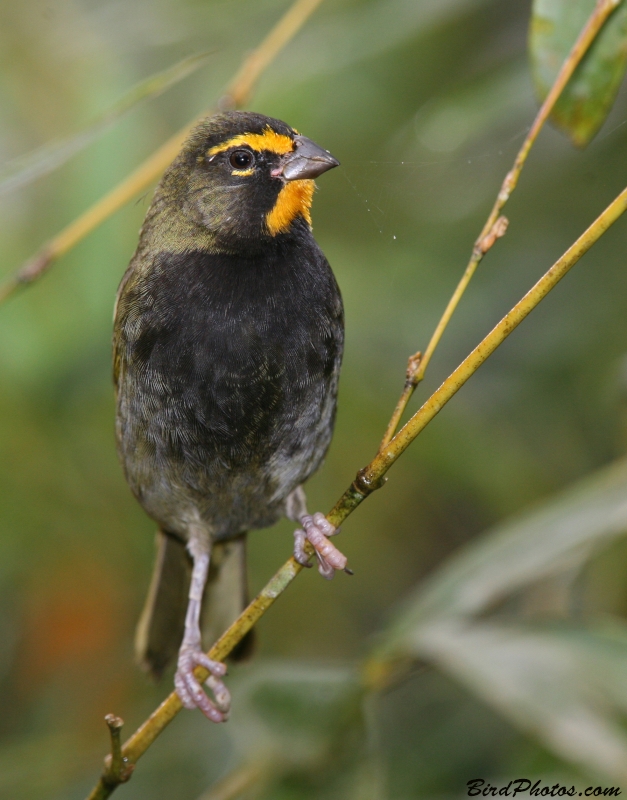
371 477
237 94
388 455
496 225
120 764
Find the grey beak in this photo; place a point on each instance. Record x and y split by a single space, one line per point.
307 161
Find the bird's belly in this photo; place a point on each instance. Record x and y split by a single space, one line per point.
227 383
227 464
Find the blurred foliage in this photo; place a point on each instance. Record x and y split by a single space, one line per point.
425 105
52 155
584 105
504 617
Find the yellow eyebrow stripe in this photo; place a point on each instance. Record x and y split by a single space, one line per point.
267 140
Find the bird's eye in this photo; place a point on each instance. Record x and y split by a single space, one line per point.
242 159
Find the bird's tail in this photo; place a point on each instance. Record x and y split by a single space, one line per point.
162 622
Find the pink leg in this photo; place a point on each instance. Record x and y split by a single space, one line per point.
191 654
317 530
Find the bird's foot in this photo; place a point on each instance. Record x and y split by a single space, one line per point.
191 692
317 530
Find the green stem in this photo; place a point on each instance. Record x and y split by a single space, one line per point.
237 94
496 225
371 477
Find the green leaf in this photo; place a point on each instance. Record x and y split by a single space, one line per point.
472 619
309 726
556 538
587 99
296 709
564 685
43 160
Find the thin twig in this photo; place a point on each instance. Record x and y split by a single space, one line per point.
117 767
237 94
496 225
597 19
371 477
377 673
388 455
241 87
410 384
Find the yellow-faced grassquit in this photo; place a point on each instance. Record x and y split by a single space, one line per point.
228 338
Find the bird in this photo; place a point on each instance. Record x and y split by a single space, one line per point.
227 345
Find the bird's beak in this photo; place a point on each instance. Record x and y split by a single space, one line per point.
307 161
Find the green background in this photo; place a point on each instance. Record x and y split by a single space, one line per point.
425 104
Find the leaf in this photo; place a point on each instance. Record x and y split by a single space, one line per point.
555 538
564 684
587 99
309 722
43 160
296 709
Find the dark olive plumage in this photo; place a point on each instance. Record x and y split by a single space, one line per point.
228 338
229 381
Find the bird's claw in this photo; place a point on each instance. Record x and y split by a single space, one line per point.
300 554
191 692
317 530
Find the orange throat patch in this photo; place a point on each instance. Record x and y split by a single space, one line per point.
294 199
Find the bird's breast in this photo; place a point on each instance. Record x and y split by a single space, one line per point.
231 363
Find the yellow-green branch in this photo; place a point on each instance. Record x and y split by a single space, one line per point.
388 455
371 477
411 382
496 225
237 94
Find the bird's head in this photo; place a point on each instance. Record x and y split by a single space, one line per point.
245 177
